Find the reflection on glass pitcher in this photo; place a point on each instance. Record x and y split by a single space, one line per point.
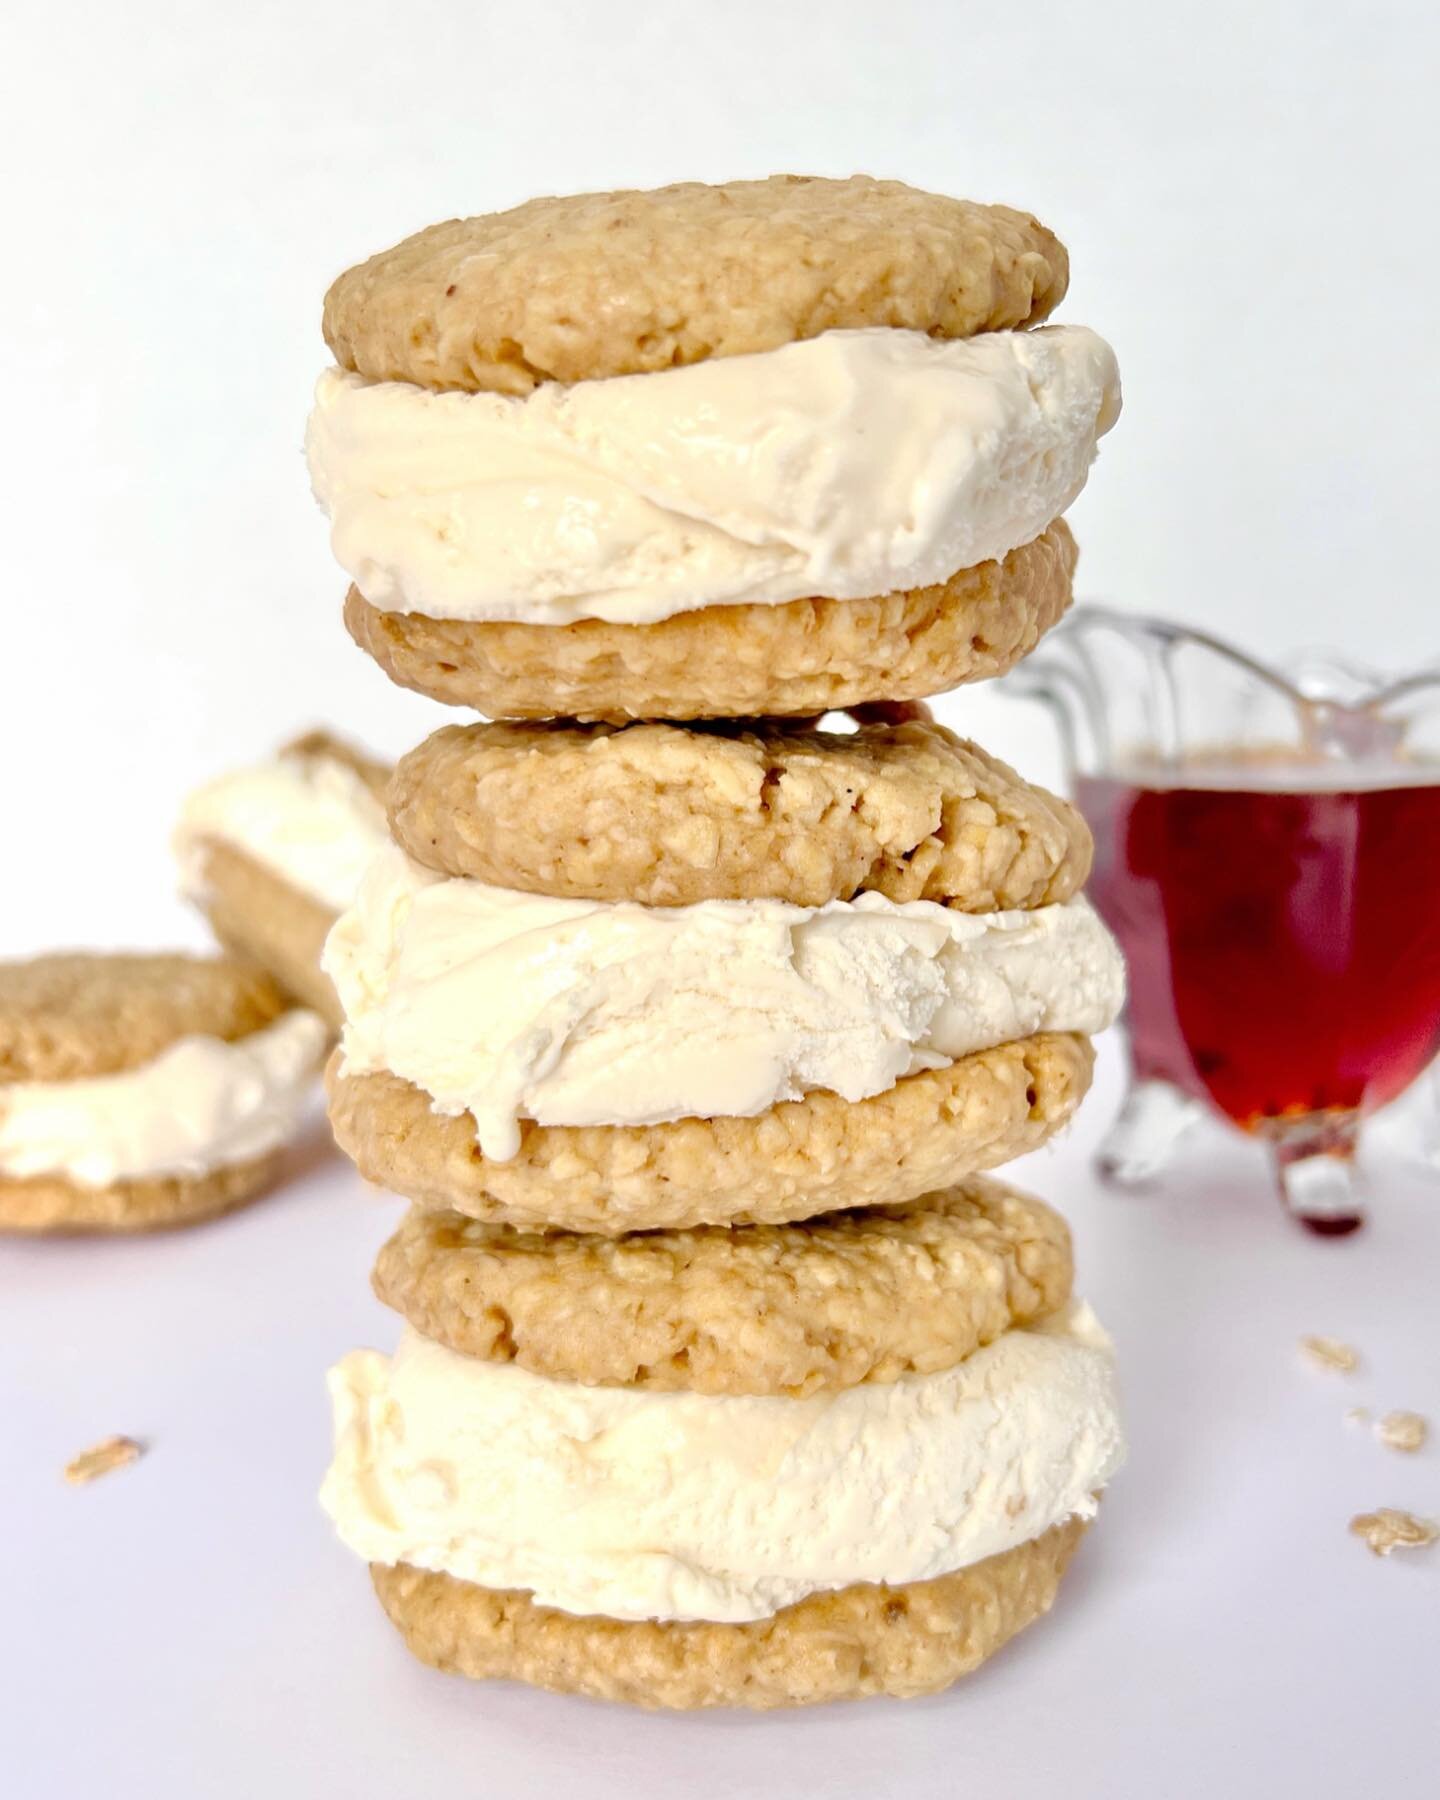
1267 851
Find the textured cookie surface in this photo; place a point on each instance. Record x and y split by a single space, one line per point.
756 1309
81 1013
50 1205
859 1641
667 816
806 656
586 285
802 1157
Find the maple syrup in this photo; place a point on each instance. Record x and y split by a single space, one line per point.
1283 945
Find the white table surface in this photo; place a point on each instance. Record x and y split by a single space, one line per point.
187 1627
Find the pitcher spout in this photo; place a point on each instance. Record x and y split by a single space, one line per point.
1129 693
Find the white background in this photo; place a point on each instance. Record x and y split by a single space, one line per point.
1248 195
1247 191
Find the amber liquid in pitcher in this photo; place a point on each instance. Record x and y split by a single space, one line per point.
1284 945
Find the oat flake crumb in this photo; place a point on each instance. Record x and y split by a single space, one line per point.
1331 1353
100 1459
1402 1430
1391 1529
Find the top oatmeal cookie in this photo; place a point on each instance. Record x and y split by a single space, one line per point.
868 1295
668 815
77 1014
587 285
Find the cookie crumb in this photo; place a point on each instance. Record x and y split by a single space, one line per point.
1389 1528
1357 1415
100 1459
1331 1353
1402 1430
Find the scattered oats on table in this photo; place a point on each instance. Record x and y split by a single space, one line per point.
1402 1430
1331 1353
100 1459
1389 1528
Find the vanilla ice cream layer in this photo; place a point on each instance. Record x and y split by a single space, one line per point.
515 1006
852 464
202 1104
311 820
637 1504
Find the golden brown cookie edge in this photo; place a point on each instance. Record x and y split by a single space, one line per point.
74 1015
52 1206
257 914
814 1155
856 1643
801 658
827 1304
670 815
588 286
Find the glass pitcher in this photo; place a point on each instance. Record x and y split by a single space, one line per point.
1267 851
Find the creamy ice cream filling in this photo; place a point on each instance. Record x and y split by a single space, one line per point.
637 1504
852 464
512 1006
309 819
202 1104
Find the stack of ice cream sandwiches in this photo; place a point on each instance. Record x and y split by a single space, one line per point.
687 1017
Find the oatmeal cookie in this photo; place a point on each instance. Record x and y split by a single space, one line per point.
802 1157
256 913
846 1645
867 1295
75 1014
668 816
805 656
581 286
52 1206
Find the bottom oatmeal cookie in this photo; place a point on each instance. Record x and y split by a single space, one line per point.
51 1205
806 656
859 1641
800 1158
